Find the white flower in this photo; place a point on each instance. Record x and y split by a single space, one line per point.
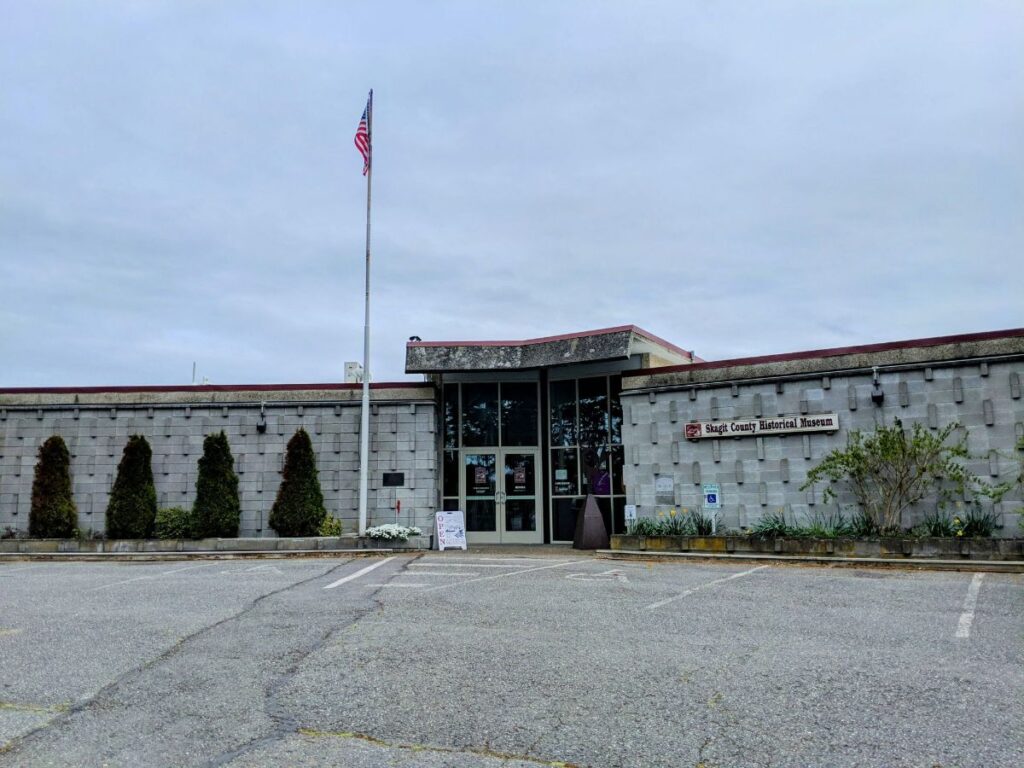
393 532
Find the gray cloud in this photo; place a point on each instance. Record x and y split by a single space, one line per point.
178 182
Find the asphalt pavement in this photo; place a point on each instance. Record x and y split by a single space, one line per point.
505 658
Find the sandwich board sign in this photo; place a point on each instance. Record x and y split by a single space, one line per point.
451 530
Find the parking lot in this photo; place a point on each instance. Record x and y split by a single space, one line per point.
497 659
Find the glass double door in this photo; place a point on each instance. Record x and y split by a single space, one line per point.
501 494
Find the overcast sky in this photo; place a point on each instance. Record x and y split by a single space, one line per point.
178 181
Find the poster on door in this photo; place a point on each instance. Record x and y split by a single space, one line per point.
481 482
451 530
519 478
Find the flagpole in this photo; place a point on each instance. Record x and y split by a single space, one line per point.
364 426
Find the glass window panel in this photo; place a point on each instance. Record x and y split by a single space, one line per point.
519 413
563 412
615 405
520 475
596 475
563 518
593 411
479 414
451 415
480 515
450 470
619 514
521 515
565 472
450 505
618 485
605 505
480 478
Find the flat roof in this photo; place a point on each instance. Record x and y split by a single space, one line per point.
933 349
603 344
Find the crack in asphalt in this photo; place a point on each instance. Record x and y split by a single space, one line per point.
17 743
287 724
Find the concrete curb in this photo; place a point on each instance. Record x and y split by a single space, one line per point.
989 566
137 557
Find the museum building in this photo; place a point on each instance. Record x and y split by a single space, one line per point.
518 433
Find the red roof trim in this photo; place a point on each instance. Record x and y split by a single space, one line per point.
932 341
547 339
208 388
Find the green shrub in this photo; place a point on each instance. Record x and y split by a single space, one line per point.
174 523
771 525
644 526
217 511
53 513
701 524
863 526
299 507
975 522
675 524
131 511
331 526
935 523
830 526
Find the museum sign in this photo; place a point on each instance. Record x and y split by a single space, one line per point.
780 425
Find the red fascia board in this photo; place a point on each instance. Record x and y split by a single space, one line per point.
886 346
547 339
207 388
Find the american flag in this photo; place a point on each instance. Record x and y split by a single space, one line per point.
363 138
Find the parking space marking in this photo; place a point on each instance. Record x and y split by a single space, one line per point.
506 575
152 576
357 574
465 565
399 586
613 575
699 587
417 574
970 603
6 571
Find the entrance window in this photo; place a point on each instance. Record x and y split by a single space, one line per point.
479 414
585 422
487 468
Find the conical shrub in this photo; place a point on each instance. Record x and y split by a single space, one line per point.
299 507
53 513
217 511
131 511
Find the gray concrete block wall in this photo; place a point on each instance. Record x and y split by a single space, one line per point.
402 437
764 474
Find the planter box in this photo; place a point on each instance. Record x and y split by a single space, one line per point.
665 543
892 547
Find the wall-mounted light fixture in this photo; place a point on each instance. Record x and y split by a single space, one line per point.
877 395
261 425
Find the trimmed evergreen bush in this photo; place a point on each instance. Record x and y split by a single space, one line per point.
299 507
131 511
53 513
217 511
174 523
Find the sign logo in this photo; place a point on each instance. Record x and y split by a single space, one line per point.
692 431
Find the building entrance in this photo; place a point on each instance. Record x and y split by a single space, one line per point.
501 495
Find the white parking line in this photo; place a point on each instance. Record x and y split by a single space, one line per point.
417 574
506 575
688 592
359 573
970 603
153 576
4 571
399 586
466 565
